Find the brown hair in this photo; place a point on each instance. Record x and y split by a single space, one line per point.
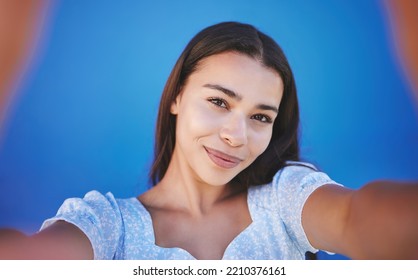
244 39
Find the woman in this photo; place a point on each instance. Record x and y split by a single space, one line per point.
228 180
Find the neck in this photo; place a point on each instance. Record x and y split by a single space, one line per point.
185 191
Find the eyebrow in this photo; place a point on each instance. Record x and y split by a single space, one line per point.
238 97
228 92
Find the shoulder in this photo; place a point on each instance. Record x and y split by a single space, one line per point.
296 180
295 168
97 200
291 186
286 195
94 211
298 175
93 203
103 219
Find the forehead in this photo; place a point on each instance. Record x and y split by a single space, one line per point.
240 73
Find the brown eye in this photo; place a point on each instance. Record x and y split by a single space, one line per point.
262 118
219 102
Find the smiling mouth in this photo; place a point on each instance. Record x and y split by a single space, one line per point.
221 159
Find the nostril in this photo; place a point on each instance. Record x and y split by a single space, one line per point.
234 141
228 141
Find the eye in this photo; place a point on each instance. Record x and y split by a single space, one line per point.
262 118
219 102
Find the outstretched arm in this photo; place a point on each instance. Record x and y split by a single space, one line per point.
378 221
59 241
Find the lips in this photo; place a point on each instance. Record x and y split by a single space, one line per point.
221 159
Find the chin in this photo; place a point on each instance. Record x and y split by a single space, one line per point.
217 179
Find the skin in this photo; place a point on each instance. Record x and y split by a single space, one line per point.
19 25
378 221
217 135
228 106
404 22
193 207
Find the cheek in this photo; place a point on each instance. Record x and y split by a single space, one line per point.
259 142
196 120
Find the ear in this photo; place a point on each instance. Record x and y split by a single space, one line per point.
174 109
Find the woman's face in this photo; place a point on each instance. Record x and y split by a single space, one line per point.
225 116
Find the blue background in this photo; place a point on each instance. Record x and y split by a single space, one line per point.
85 111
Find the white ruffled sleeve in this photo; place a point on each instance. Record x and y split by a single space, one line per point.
294 184
98 216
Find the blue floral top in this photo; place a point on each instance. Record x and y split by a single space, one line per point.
122 228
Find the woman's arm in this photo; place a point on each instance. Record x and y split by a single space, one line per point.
378 221
61 240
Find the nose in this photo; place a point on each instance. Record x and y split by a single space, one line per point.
234 130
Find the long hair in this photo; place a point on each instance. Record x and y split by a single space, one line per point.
244 39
